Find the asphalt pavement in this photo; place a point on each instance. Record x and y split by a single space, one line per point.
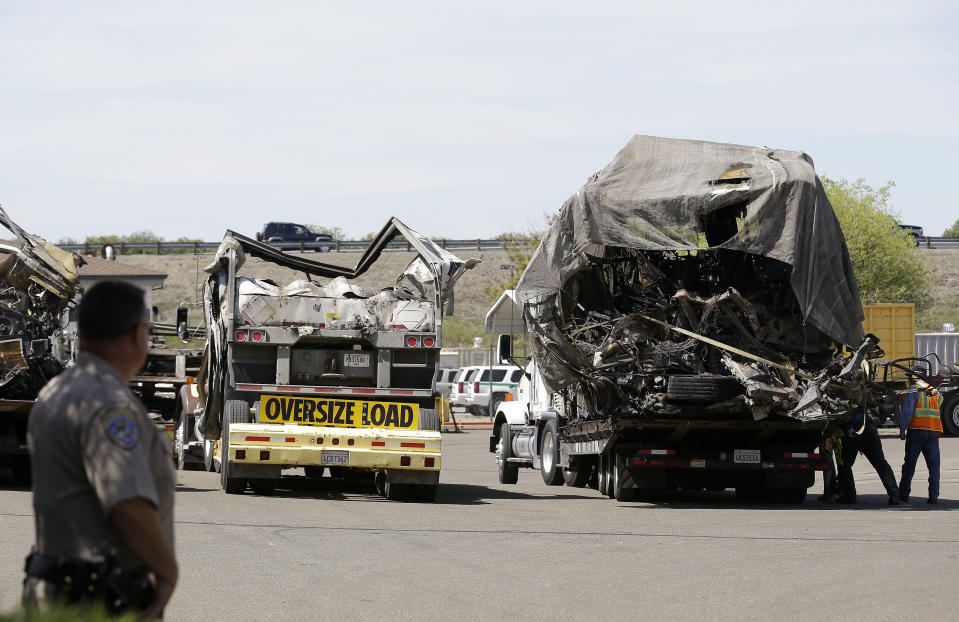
333 550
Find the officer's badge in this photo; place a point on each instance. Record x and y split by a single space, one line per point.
121 427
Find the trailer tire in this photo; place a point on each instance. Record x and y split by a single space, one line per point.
263 487
702 388
603 471
508 473
314 472
22 474
208 461
234 411
549 458
577 479
429 419
752 493
789 496
396 492
621 492
950 415
424 493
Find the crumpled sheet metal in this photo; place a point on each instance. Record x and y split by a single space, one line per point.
655 194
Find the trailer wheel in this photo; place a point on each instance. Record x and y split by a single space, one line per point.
208 461
314 472
549 460
508 473
621 492
603 471
950 416
395 492
263 487
789 496
234 411
752 493
22 475
424 493
702 388
577 478
178 443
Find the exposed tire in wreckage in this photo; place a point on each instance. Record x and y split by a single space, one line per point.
702 388
549 460
234 411
950 414
508 473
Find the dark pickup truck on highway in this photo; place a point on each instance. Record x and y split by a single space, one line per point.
279 232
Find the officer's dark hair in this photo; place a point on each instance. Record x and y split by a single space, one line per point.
110 309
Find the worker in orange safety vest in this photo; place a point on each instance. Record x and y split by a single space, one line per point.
920 426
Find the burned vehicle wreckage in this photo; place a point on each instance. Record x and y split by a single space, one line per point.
694 300
40 281
689 272
40 284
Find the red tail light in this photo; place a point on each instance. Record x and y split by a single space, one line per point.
240 335
256 335
429 462
460 387
428 342
475 387
412 341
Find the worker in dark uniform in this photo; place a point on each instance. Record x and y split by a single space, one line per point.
861 435
102 476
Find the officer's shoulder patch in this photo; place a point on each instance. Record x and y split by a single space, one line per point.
121 426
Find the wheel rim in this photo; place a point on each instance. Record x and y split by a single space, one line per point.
548 452
955 415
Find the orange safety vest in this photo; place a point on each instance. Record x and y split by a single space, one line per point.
926 416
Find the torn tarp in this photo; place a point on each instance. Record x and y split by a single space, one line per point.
663 194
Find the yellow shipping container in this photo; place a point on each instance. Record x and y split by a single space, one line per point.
895 325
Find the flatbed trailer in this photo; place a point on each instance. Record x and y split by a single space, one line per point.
324 376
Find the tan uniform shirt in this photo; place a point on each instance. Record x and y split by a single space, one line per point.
92 445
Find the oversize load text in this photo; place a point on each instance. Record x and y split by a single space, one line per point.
332 412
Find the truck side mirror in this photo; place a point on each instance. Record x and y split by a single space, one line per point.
504 349
182 326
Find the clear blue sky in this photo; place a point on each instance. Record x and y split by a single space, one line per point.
465 119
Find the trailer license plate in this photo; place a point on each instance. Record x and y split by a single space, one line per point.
351 359
335 458
746 456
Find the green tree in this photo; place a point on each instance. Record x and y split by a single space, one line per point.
887 264
953 231
336 232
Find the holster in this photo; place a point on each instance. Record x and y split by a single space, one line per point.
80 582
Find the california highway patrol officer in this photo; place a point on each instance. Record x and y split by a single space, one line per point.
103 479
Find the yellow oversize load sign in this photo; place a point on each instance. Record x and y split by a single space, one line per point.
341 413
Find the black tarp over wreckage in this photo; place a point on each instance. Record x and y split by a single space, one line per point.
693 258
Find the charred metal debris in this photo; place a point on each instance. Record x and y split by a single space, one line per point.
692 334
38 284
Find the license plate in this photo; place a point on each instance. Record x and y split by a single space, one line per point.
746 456
336 458
351 359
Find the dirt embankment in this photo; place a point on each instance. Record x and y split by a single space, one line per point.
185 279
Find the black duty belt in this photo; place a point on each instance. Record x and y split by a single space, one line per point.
81 581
